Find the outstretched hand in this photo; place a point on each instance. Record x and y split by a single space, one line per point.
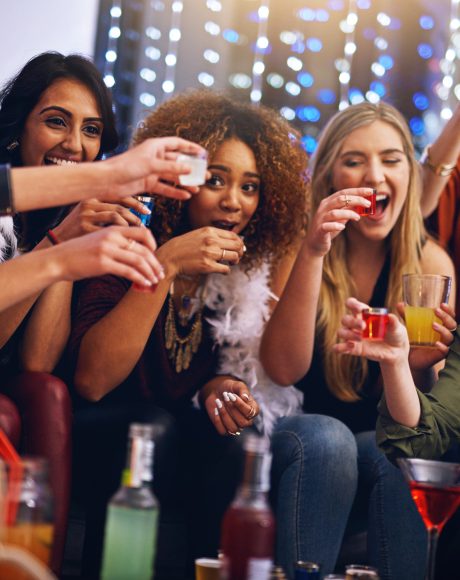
394 345
151 167
123 251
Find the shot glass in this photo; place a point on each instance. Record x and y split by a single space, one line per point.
367 210
422 293
207 569
147 200
198 163
376 320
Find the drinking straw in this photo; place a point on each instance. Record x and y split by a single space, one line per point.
9 454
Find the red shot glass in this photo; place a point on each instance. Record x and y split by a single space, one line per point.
367 210
376 320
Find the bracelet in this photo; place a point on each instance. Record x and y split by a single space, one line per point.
52 237
441 170
6 193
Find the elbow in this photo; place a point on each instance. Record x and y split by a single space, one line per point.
286 375
85 387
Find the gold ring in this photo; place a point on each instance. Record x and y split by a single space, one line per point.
347 201
223 255
251 414
453 329
234 434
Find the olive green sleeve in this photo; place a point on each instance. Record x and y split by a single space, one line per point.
439 424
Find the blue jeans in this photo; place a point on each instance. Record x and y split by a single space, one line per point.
319 467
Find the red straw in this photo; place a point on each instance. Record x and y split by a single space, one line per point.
11 457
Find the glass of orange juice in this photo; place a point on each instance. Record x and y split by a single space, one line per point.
422 293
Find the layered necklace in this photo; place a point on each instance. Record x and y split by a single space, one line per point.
184 328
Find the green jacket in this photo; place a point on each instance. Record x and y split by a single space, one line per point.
439 424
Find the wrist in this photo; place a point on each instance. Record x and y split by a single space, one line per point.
438 169
170 268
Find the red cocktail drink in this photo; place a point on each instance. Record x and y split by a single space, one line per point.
376 320
367 210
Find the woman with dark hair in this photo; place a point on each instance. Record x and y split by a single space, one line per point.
55 111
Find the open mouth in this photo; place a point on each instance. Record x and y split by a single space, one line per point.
223 225
58 161
381 203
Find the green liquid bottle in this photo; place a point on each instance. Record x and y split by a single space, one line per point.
132 516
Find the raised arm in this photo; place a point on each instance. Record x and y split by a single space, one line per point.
123 251
288 340
141 169
443 154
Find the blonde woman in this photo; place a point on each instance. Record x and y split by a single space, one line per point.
344 254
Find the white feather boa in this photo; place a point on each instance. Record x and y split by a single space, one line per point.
8 242
241 305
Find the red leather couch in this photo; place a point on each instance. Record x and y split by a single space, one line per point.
35 413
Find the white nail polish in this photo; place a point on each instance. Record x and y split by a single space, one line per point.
232 397
246 396
216 412
226 396
219 403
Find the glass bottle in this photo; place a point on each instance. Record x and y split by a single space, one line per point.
248 528
33 526
132 515
277 573
306 571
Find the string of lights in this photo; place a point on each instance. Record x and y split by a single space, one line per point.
344 64
112 43
212 57
175 34
448 63
262 43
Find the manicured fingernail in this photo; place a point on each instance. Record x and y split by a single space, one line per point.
232 397
226 397
161 274
246 396
245 249
237 433
148 282
216 411
219 403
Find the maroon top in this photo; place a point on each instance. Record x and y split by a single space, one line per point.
153 377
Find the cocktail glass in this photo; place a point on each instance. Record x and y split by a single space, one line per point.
435 489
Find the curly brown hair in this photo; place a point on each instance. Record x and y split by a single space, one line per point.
210 118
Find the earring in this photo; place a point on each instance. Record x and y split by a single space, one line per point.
12 146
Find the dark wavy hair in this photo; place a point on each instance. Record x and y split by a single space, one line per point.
210 118
20 94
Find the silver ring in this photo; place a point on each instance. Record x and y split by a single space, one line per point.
223 255
234 434
251 414
453 329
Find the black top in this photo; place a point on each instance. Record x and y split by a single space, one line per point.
359 415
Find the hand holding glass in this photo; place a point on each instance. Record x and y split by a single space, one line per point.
422 294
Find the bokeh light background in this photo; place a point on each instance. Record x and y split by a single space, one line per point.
306 59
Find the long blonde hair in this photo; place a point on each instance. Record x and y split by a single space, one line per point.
345 375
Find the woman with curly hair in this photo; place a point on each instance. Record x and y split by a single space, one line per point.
226 253
345 254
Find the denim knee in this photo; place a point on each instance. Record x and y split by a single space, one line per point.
322 443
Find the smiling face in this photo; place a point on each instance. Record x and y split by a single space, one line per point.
373 156
65 126
230 197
